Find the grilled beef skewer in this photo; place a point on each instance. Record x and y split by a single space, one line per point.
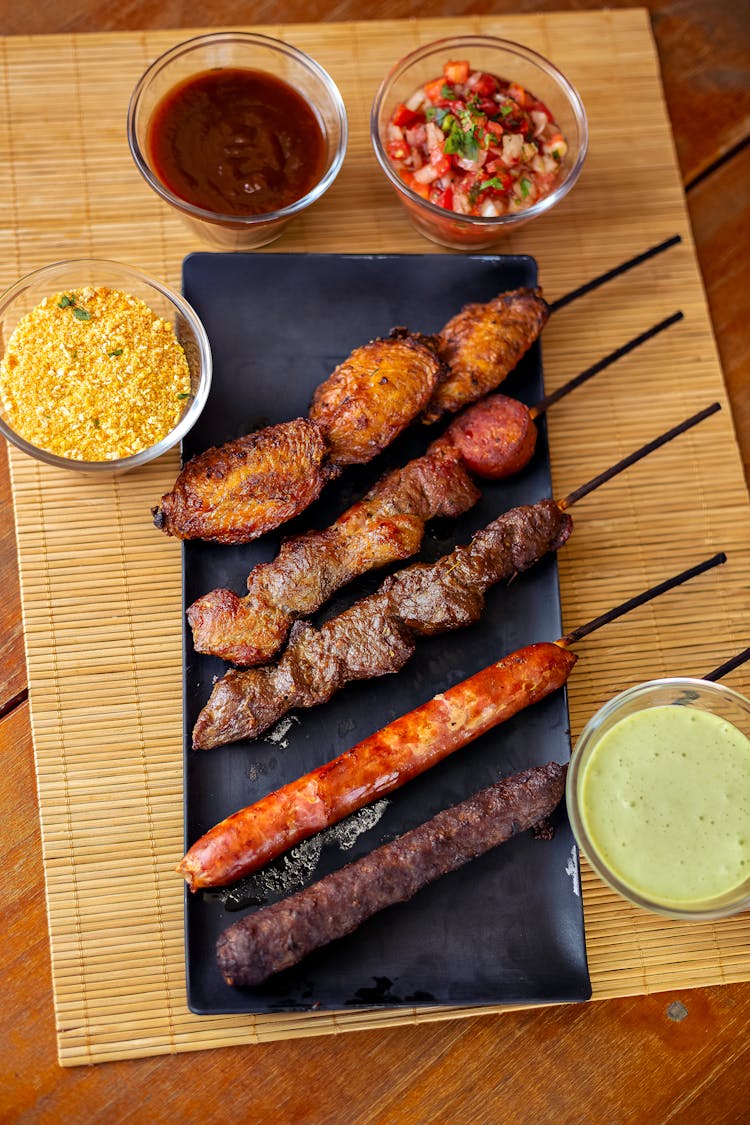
378 634
278 936
494 438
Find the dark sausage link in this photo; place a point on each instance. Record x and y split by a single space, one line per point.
279 936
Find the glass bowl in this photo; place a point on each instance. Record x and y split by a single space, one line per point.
623 813
31 290
248 51
503 59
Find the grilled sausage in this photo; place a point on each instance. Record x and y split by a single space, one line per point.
252 837
279 936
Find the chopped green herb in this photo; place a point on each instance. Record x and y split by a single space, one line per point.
556 154
493 183
184 394
506 110
448 93
117 351
437 113
525 187
65 301
81 314
461 137
97 423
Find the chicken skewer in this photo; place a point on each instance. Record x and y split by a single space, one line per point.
378 634
405 748
494 439
237 491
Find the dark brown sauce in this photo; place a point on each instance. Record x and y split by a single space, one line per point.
236 142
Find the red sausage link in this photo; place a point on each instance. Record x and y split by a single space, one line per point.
495 438
252 837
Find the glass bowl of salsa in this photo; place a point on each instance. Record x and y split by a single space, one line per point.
477 135
239 133
658 795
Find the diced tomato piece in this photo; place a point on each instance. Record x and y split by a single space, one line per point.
445 199
434 89
456 72
494 127
517 93
486 85
420 189
397 150
405 117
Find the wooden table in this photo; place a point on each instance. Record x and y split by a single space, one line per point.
651 1058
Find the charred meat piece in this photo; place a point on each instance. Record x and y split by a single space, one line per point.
378 634
482 344
373 395
235 492
279 936
384 527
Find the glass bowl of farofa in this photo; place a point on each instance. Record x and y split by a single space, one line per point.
101 367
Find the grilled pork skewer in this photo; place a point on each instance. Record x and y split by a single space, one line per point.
386 760
378 633
279 936
494 439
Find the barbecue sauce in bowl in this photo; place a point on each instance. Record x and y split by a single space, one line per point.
235 141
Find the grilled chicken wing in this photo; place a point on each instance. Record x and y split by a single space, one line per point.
238 491
373 395
482 344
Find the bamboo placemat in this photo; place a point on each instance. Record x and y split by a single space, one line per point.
101 588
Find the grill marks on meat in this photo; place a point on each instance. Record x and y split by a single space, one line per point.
482 345
371 397
235 492
384 527
279 936
378 634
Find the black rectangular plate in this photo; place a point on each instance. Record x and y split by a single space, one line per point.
509 927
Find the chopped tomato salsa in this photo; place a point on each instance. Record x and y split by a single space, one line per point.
476 144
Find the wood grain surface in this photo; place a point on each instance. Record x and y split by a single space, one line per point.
666 1057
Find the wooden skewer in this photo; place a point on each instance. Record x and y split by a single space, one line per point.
544 404
632 458
640 599
616 271
728 665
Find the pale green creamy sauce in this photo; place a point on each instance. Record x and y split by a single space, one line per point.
665 799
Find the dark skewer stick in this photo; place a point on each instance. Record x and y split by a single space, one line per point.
588 286
549 400
728 666
579 493
641 599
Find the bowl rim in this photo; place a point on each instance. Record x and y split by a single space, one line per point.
188 419
481 221
216 217
583 840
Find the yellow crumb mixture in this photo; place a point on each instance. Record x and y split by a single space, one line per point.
93 374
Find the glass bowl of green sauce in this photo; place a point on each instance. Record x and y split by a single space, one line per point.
658 795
